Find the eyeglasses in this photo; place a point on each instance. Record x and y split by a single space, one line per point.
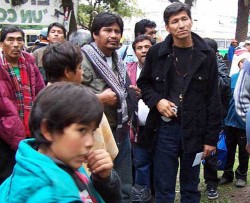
11 40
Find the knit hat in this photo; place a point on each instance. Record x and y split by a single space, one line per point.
241 54
247 41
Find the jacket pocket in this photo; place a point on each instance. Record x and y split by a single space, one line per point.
200 82
159 81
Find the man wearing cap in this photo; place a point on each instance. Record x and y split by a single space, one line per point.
42 41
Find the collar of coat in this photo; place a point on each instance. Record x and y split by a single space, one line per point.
199 44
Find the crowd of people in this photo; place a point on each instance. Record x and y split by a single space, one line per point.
89 120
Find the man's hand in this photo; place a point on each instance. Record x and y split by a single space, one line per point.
100 163
248 148
137 91
208 150
108 97
165 108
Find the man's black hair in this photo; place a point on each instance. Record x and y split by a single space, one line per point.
105 19
140 27
175 8
10 29
56 24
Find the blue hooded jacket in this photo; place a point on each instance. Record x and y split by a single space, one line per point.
37 178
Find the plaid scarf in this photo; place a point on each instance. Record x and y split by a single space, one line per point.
117 84
22 88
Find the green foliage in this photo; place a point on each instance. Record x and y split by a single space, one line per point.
88 9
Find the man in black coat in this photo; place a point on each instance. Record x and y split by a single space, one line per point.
179 83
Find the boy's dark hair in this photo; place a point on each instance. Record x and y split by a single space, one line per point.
62 104
141 38
10 29
175 8
59 56
57 25
140 27
212 43
105 19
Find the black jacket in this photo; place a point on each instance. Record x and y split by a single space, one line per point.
224 85
201 110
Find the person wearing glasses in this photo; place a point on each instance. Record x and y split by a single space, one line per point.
20 82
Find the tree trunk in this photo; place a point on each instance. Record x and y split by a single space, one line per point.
72 22
242 20
190 2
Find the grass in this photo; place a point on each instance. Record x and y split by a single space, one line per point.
225 191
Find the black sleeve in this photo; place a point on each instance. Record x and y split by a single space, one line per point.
109 188
224 85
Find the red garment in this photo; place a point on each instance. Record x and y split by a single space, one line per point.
134 127
85 195
12 128
131 70
21 86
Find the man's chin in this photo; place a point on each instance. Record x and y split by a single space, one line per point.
113 47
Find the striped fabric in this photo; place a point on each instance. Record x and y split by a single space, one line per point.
117 84
22 87
242 91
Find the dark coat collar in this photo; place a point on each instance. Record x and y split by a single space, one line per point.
166 45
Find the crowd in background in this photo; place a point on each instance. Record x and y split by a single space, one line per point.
84 118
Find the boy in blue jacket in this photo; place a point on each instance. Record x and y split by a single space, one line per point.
49 166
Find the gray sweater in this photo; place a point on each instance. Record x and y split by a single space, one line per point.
242 91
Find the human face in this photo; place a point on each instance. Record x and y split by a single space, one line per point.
76 76
12 46
247 46
55 35
141 49
72 145
151 32
108 39
179 26
235 44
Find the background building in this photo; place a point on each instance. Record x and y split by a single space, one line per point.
212 18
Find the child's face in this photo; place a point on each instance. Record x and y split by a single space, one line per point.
73 145
76 76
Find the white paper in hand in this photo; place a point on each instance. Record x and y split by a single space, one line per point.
197 159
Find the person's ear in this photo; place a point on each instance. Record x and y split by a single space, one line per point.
44 130
67 72
167 28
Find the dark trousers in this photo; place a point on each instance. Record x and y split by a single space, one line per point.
168 156
142 161
234 137
123 165
7 161
210 172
